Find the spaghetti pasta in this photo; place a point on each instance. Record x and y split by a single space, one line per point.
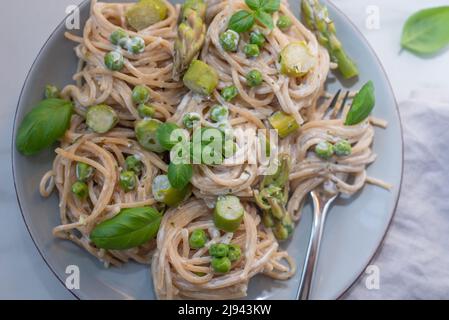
178 269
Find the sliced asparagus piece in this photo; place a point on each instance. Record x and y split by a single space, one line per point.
146 134
201 78
146 13
101 118
228 214
164 192
284 123
296 59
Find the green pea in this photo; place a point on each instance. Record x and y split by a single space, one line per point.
132 163
146 111
80 190
230 92
127 180
256 37
191 119
251 50
324 150
51 92
343 148
140 94
219 113
218 250
234 252
135 45
284 23
114 61
229 40
118 37
198 239
146 134
254 78
221 265
83 171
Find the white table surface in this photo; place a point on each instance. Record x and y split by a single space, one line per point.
24 27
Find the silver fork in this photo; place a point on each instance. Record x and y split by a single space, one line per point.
322 199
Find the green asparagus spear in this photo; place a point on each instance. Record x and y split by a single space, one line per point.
191 35
316 18
267 219
272 199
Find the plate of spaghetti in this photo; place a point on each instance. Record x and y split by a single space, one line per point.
167 149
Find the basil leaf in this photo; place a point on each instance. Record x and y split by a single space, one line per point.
164 135
265 19
270 6
130 228
43 125
427 31
241 21
253 4
180 174
362 105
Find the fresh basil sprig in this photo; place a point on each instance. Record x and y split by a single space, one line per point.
265 18
269 6
130 228
241 21
180 174
261 10
362 105
427 31
164 135
43 125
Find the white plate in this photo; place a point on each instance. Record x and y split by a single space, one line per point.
354 230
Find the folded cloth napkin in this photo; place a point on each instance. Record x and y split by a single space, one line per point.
413 262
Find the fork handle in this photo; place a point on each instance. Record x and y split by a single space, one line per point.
319 216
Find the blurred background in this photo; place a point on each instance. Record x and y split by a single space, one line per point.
409 269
